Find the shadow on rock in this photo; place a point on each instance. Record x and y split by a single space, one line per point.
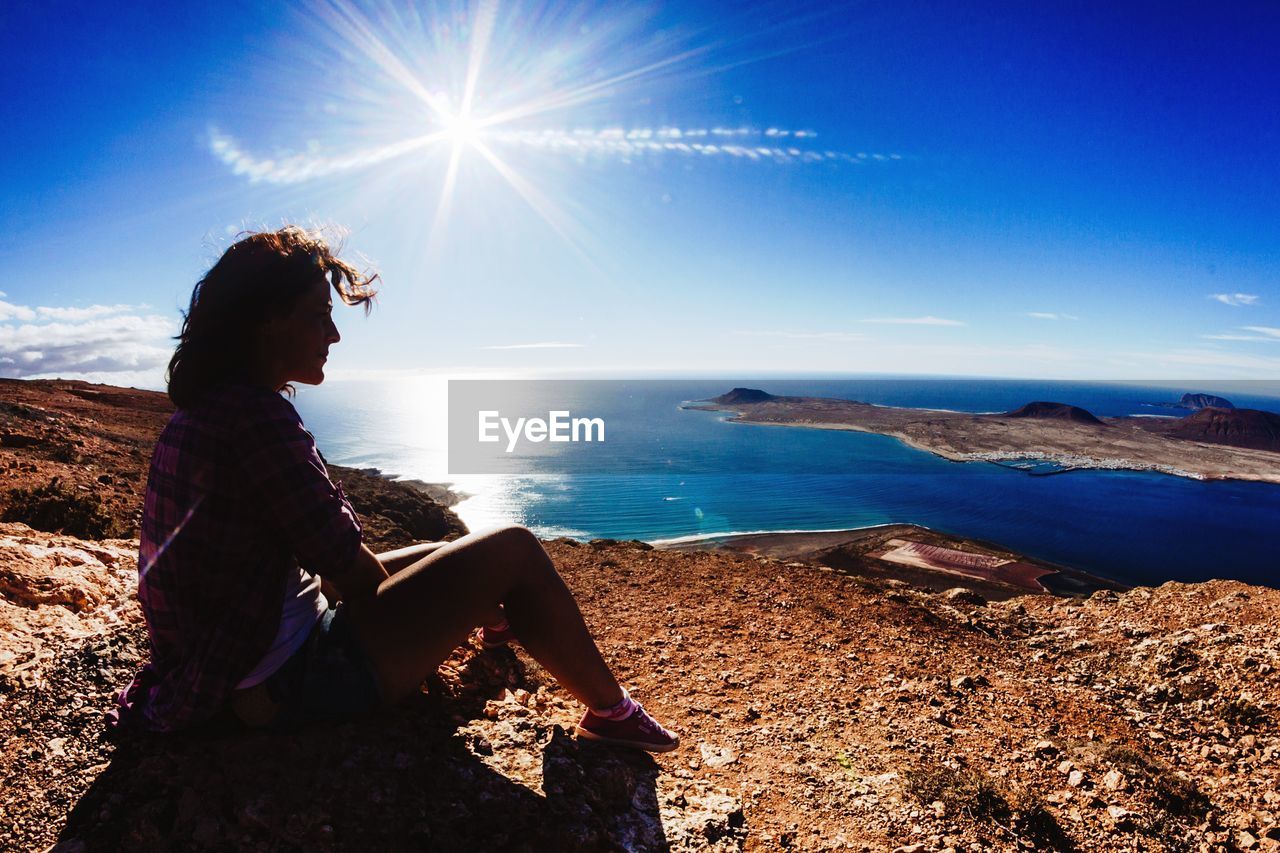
607 794
403 779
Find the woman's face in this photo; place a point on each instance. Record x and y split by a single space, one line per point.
296 345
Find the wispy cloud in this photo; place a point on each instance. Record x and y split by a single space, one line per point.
928 320
1235 299
1051 315
1234 338
1265 334
105 343
804 336
538 345
740 143
1216 360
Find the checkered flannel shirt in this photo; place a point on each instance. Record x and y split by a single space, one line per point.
237 497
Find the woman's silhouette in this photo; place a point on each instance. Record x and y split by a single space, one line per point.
258 592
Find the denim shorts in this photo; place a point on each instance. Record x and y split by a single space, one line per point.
329 678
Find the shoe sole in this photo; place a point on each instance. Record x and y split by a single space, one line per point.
586 734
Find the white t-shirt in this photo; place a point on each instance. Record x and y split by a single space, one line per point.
304 604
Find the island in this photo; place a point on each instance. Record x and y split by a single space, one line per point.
1041 437
1195 402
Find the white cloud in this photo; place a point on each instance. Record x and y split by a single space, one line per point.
1236 338
76 315
101 343
1235 299
1218 360
749 144
929 320
1265 334
15 312
1050 315
538 345
151 380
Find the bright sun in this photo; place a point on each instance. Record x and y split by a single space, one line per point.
461 129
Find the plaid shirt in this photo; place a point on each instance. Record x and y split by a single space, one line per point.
237 497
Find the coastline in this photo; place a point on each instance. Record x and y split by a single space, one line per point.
971 437
867 552
441 493
676 542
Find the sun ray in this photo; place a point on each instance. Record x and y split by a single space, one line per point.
544 207
377 51
446 199
480 35
582 94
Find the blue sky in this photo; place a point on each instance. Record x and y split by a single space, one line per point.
1082 191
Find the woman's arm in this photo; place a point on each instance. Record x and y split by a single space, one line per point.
358 580
392 562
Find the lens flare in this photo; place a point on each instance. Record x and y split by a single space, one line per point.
465 87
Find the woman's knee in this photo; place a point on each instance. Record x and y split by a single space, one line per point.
522 558
516 540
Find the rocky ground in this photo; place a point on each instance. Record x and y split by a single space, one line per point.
818 709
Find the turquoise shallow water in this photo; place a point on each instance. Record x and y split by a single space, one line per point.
672 473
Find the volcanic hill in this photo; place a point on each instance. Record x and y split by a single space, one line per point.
1054 411
744 395
1251 428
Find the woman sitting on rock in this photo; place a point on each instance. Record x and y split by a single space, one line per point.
241 523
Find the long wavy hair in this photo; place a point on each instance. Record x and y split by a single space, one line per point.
259 277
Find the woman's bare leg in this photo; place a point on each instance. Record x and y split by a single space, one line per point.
403 558
423 612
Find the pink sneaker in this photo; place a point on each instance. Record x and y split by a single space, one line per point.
496 638
638 730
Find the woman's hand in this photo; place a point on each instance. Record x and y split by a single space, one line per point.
391 561
362 578
329 591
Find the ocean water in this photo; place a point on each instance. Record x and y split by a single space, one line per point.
668 473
